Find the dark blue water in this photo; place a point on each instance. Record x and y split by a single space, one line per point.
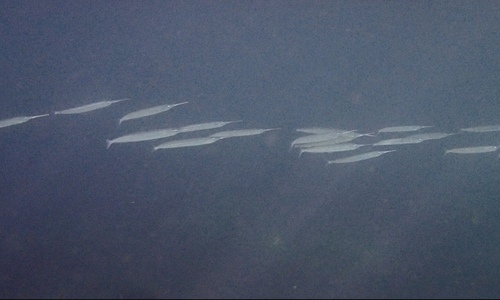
245 217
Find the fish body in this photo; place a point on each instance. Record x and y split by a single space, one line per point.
240 132
19 120
358 157
321 130
192 142
398 141
88 107
205 126
402 128
339 139
331 138
331 148
149 111
143 136
488 128
472 150
430 136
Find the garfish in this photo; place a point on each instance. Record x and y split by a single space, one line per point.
399 141
88 107
488 128
146 112
321 130
358 157
472 150
326 138
205 126
187 143
240 132
402 128
331 148
316 138
143 136
18 120
430 136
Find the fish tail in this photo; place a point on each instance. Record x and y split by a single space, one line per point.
108 143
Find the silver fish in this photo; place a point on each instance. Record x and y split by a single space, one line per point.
338 139
149 111
206 126
187 143
472 150
430 136
488 128
358 157
399 141
18 120
143 136
331 148
402 128
321 130
326 139
88 107
240 132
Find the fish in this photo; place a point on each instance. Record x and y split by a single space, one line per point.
146 112
321 130
358 157
430 136
321 141
19 120
399 141
326 139
192 142
240 132
143 136
88 107
205 126
402 128
472 150
331 148
488 128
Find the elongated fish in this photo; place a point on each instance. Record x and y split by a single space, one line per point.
18 120
88 107
326 139
187 143
331 148
205 126
430 136
472 150
402 128
358 157
488 128
149 111
143 136
240 132
399 141
321 130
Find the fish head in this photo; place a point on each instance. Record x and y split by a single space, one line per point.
176 104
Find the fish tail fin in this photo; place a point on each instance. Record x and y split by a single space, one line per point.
108 143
